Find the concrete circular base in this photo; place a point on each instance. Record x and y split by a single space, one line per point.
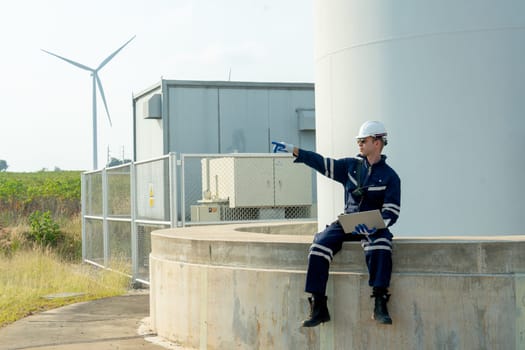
241 287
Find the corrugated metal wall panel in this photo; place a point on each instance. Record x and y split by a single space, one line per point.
193 120
243 120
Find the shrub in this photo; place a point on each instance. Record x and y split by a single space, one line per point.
43 229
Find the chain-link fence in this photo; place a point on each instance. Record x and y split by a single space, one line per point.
122 205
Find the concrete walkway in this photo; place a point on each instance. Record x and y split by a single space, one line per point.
111 323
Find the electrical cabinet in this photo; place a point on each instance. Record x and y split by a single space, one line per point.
205 212
293 183
257 181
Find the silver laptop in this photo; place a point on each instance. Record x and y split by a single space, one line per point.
371 218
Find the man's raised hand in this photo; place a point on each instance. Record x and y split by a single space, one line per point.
282 147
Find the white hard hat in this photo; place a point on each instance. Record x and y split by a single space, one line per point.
373 128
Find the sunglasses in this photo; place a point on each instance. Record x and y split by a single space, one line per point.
363 140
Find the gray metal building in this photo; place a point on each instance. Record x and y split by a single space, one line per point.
221 117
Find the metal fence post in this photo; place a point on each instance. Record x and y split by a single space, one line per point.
105 224
83 213
172 163
182 191
134 233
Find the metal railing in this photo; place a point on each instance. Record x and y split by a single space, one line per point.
122 205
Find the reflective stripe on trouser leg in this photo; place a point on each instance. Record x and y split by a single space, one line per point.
378 255
326 244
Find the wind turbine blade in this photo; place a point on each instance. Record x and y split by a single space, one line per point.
70 61
103 97
113 54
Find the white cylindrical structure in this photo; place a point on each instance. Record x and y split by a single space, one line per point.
447 78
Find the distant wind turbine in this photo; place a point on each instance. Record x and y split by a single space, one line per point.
96 82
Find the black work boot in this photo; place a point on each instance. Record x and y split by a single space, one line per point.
380 311
318 311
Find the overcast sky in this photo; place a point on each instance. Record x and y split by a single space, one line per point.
46 115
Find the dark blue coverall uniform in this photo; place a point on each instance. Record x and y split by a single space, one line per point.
380 189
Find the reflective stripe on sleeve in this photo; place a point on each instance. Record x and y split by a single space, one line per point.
391 207
329 167
354 181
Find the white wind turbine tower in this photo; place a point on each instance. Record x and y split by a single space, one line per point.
96 82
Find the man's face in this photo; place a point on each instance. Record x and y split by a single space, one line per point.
368 145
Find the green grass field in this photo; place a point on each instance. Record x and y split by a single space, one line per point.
28 276
23 193
31 266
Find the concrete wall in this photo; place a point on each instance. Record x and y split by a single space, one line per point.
447 79
229 287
